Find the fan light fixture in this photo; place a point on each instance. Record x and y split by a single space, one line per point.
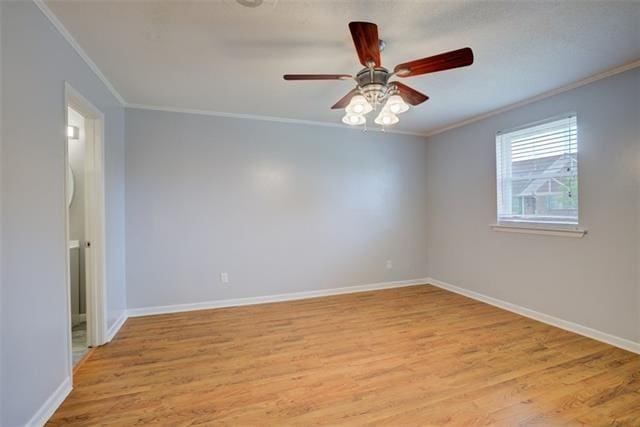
354 119
385 100
358 105
396 105
374 90
386 118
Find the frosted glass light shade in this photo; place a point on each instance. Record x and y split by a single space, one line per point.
354 119
386 118
358 105
396 104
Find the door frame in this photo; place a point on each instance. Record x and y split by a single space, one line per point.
95 232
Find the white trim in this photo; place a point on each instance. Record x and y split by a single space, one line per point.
266 118
74 44
557 91
595 334
67 35
51 404
113 330
95 258
146 311
544 123
515 227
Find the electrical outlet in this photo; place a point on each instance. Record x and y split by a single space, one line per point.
224 277
389 264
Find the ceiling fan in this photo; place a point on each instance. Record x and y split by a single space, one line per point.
374 91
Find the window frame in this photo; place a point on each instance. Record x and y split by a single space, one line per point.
536 225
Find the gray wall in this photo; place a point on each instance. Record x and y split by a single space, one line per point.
2 378
593 281
36 61
285 208
280 207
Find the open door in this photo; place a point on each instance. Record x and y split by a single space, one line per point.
84 156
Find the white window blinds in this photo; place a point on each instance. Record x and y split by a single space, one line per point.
537 173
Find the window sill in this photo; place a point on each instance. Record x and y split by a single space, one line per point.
547 230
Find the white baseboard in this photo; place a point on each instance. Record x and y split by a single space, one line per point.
541 317
60 394
146 311
113 330
51 404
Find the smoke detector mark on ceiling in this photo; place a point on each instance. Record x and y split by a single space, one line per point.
250 3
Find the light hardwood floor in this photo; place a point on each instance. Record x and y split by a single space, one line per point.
409 356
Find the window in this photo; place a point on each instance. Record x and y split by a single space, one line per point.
537 173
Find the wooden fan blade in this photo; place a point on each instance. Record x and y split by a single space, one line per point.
444 61
365 38
410 96
317 77
344 101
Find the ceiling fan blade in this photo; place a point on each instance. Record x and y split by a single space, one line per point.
344 101
365 38
444 61
317 76
410 96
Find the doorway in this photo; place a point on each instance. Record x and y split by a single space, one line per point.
85 207
76 204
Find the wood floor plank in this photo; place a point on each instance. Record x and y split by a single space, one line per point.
408 356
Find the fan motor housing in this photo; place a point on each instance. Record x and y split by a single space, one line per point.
373 83
368 76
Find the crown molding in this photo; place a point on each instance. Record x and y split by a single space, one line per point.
264 118
557 91
65 33
74 44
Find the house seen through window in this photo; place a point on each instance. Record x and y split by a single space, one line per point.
537 173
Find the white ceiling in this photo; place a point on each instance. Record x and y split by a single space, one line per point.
221 56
